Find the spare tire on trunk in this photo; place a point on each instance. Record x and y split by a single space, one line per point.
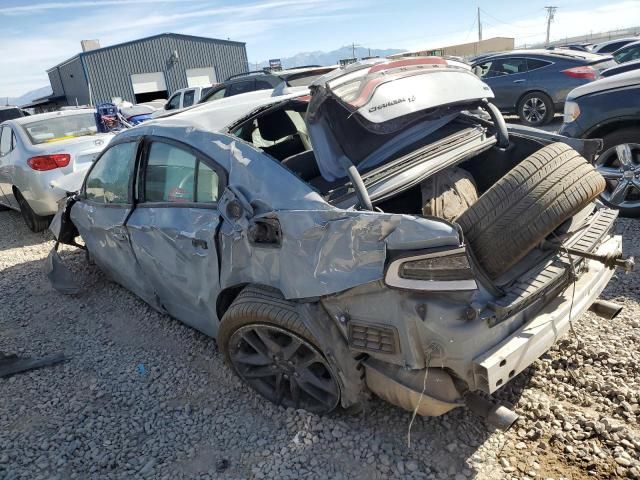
527 204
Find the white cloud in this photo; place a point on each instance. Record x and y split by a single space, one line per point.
41 7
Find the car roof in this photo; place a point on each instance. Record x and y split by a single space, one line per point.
597 46
558 54
630 44
216 116
50 115
622 67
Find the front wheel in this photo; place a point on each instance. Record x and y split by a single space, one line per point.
536 109
619 164
35 222
271 350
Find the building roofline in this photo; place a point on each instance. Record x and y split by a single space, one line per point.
131 42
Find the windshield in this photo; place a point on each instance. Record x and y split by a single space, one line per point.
60 128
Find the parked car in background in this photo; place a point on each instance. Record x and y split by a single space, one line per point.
631 51
534 83
621 68
183 98
261 80
36 150
610 109
580 47
611 46
9 113
325 239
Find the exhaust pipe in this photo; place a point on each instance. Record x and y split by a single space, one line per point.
605 309
495 414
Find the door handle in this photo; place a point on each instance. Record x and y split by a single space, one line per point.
197 242
519 81
119 234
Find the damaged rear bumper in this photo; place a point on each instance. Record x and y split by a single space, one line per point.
497 366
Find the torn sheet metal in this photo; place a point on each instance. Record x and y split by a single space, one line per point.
61 278
325 251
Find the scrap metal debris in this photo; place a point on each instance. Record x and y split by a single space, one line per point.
10 364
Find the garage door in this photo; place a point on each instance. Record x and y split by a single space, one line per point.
148 82
201 77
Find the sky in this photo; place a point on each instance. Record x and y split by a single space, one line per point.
37 34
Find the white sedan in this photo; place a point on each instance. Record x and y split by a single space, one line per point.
40 149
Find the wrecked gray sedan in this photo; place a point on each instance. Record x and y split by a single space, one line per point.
387 233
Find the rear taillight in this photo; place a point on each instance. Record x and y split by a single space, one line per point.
49 162
586 72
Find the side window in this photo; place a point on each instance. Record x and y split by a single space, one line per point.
240 87
631 53
218 95
6 140
534 64
108 181
188 98
173 103
263 85
170 174
208 181
175 175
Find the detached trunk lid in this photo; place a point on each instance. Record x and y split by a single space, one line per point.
356 111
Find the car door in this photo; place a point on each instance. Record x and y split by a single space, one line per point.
106 201
7 167
507 77
173 230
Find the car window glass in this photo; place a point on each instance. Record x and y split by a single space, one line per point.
108 181
240 87
207 191
218 95
534 64
5 140
188 98
173 103
263 85
632 53
170 173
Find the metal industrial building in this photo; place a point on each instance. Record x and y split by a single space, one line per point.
142 70
495 44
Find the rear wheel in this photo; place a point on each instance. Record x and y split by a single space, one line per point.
271 350
527 204
536 109
619 164
35 222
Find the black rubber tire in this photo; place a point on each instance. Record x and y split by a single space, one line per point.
618 137
548 103
527 204
258 305
35 222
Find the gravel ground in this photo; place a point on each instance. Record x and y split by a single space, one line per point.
143 396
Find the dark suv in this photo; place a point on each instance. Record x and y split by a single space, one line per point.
610 109
264 80
535 83
9 113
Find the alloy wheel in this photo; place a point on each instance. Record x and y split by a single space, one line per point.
534 110
284 368
620 167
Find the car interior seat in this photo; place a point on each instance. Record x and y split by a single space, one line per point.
277 127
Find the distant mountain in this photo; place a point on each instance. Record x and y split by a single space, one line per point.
329 58
27 97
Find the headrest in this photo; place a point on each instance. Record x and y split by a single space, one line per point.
276 125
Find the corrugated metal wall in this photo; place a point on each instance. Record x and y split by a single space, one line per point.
109 70
56 83
74 81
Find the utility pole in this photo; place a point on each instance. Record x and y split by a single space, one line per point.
551 11
479 27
